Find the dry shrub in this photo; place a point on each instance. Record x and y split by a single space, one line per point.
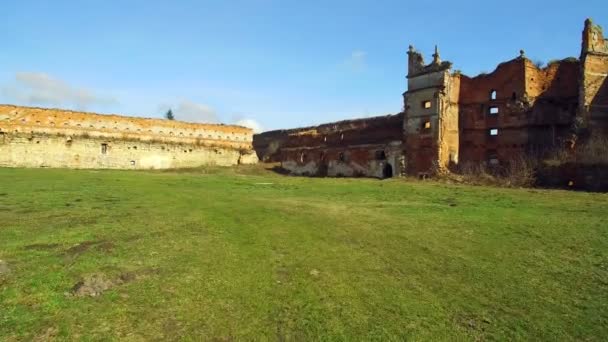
517 172
593 152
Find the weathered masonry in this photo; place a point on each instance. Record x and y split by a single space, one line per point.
366 147
37 137
450 119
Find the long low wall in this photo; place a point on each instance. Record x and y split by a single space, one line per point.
368 147
38 137
58 151
371 160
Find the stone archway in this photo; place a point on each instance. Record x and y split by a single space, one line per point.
387 171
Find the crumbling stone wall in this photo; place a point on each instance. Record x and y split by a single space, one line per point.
517 109
36 137
366 147
594 80
449 119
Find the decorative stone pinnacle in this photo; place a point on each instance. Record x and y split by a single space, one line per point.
436 57
522 54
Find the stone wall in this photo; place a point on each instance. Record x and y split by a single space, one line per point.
36 137
594 80
517 109
449 119
366 147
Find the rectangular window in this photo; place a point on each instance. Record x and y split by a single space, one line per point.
493 110
104 148
426 125
426 104
494 132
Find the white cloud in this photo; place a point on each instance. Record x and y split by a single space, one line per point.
250 123
357 60
38 88
189 111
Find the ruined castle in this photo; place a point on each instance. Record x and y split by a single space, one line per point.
37 137
450 119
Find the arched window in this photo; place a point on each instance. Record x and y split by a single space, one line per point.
493 95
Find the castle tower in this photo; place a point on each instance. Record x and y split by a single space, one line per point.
431 115
593 92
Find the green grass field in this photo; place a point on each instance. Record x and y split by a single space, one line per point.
234 254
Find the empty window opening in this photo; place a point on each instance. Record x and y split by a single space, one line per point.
380 155
302 157
493 95
104 148
342 157
494 132
426 125
514 96
426 104
493 110
133 162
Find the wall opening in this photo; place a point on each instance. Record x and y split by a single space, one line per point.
494 132
342 157
104 148
514 96
493 94
425 127
493 158
387 171
380 155
426 104
493 110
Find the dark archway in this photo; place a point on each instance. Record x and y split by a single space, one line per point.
387 171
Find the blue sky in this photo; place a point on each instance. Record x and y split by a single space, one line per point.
277 63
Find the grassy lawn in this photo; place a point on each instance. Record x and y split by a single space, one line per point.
233 254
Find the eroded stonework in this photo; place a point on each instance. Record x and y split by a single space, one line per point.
38 137
450 119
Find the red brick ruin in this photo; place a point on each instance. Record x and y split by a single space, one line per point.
449 119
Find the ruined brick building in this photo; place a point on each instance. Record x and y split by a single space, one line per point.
450 119
37 137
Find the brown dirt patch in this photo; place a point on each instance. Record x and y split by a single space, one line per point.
49 334
95 284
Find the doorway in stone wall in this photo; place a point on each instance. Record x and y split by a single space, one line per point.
387 171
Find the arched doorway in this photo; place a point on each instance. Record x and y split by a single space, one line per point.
387 171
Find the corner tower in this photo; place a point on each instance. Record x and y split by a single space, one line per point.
593 92
431 114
